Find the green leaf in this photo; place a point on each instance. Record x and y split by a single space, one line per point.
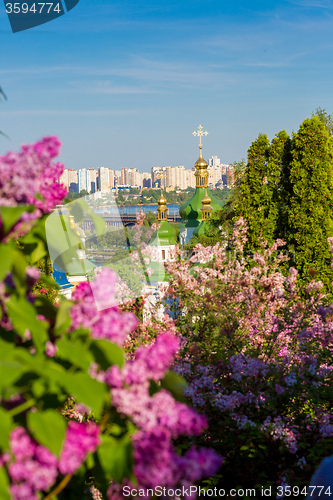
19 272
51 372
175 384
39 387
5 428
10 371
11 215
63 319
48 280
38 252
23 316
34 244
90 461
86 390
243 448
75 352
6 349
115 456
107 354
154 387
6 258
4 485
48 428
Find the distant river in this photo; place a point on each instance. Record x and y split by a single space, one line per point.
172 209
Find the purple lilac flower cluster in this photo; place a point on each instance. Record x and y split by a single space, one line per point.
36 469
81 438
111 323
40 187
159 419
285 342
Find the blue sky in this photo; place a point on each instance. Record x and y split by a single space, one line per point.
125 83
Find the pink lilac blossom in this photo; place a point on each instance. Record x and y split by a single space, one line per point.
130 391
75 411
34 469
159 419
291 338
95 493
111 324
157 464
30 178
50 349
81 438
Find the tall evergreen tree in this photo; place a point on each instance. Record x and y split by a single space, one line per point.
251 205
279 169
310 212
261 190
325 118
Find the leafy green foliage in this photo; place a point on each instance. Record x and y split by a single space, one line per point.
107 353
285 191
48 428
115 455
258 205
310 210
4 485
325 118
150 219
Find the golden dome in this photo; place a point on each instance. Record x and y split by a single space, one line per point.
162 208
206 200
162 200
201 162
206 207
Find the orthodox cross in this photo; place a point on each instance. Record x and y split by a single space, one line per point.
200 133
161 175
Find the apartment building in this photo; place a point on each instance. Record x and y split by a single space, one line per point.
83 179
103 179
69 178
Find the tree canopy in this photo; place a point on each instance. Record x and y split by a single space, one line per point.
285 191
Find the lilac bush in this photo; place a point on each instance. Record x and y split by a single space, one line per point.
30 178
258 359
78 418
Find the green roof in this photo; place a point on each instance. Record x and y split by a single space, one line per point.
165 235
200 230
190 211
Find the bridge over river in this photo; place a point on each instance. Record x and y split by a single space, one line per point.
119 220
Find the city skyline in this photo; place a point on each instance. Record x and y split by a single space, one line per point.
168 177
124 84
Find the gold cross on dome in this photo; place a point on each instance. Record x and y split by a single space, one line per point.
161 175
200 133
